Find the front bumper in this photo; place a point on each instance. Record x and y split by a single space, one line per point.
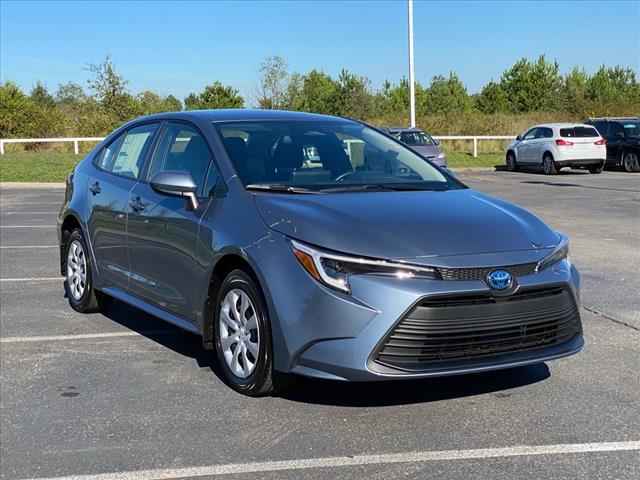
321 333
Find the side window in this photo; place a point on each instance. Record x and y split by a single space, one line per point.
107 156
531 134
182 148
548 133
130 158
601 127
125 155
616 130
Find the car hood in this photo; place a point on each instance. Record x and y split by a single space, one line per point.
412 226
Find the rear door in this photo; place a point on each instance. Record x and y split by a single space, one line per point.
163 229
118 166
615 143
539 144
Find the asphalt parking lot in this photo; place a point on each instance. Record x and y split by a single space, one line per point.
122 395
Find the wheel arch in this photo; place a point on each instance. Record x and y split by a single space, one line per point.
232 259
70 222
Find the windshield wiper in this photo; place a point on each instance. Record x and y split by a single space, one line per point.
278 188
379 187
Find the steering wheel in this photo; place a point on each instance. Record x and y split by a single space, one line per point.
344 176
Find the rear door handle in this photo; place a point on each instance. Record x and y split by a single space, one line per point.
137 205
95 188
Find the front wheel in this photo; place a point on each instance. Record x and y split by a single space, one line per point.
512 165
243 336
549 165
596 170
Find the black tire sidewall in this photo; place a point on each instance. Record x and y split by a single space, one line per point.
85 302
254 384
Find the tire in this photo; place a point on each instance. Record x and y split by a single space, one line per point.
243 349
78 283
596 170
548 165
512 164
630 162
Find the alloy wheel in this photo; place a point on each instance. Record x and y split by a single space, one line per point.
239 333
76 270
630 162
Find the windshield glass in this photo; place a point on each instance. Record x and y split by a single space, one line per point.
416 138
319 155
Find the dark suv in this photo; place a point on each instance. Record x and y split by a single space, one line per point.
623 141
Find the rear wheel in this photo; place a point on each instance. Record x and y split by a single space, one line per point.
512 165
243 336
78 284
549 165
630 162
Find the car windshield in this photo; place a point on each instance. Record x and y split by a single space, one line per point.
317 156
416 138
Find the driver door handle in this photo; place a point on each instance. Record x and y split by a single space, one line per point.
137 205
95 188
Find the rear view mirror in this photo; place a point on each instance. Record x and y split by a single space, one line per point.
176 183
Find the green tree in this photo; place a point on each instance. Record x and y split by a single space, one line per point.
215 95
533 86
492 99
70 93
110 91
318 93
150 102
574 91
615 85
41 96
352 96
446 95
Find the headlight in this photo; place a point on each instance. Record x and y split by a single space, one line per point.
334 270
559 253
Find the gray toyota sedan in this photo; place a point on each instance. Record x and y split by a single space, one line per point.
295 243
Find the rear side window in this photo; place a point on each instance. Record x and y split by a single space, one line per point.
579 132
125 156
181 148
601 127
544 132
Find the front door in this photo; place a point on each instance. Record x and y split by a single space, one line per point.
163 229
116 172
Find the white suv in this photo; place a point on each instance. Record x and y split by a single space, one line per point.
556 145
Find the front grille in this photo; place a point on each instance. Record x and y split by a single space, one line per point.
479 326
480 273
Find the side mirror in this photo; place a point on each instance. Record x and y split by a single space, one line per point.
436 141
519 137
176 183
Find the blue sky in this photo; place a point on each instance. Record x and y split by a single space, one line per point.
178 47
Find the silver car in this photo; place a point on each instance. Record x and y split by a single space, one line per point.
295 243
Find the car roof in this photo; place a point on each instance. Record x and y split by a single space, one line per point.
562 125
612 119
242 114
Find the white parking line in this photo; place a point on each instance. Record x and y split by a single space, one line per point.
16 212
358 460
30 279
86 336
7 247
28 226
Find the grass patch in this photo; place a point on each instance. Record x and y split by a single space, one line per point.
465 160
37 166
51 166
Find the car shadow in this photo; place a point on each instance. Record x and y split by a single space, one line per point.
326 392
405 392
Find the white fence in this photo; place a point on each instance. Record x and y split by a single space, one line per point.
76 140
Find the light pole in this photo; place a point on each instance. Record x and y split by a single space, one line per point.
412 80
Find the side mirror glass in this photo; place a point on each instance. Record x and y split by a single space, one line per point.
519 137
176 183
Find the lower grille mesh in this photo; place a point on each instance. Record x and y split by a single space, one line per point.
470 327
